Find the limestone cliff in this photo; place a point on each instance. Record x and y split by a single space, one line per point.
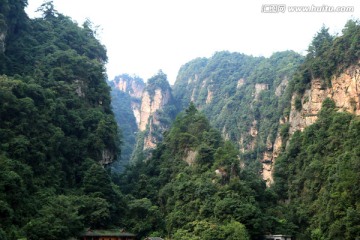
126 102
344 90
151 104
154 116
150 112
133 86
141 112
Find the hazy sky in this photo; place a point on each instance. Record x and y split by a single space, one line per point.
143 36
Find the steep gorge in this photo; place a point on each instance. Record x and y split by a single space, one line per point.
142 126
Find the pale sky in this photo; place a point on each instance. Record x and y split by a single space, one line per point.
143 36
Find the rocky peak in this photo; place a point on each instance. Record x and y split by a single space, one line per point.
259 87
150 103
155 97
134 86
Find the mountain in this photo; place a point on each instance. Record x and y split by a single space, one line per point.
316 175
240 147
144 112
134 87
155 112
193 187
244 97
57 129
126 96
282 157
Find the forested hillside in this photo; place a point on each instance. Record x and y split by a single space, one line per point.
56 127
301 112
244 97
194 188
317 177
261 146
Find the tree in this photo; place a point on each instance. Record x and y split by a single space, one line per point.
320 43
97 182
57 219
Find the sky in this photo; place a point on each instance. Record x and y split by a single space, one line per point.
144 36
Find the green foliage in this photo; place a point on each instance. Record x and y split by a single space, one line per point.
158 81
234 91
318 176
328 56
180 185
298 104
56 124
57 219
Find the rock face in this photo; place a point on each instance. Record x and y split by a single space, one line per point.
209 96
147 103
282 86
259 87
150 104
190 157
149 117
240 83
272 152
134 87
344 91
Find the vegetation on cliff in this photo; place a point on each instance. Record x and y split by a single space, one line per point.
317 177
328 56
56 125
124 105
57 130
193 187
243 96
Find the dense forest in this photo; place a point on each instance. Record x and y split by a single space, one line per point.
60 141
239 93
204 188
193 186
316 178
56 127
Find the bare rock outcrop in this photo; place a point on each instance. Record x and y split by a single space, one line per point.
135 88
150 104
259 87
344 91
